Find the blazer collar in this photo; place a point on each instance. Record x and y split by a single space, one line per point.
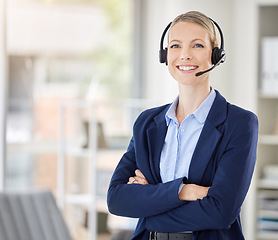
160 118
218 111
208 139
156 136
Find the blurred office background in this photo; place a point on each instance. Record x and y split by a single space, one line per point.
75 74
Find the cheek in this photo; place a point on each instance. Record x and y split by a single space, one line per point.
171 66
171 59
209 57
171 69
206 57
170 56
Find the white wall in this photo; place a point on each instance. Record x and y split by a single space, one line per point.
157 82
244 58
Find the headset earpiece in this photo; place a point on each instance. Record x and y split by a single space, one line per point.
163 56
163 52
217 56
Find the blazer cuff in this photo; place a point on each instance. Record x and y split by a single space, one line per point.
180 187
184 181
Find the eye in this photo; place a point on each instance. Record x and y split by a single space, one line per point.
174 46
198 45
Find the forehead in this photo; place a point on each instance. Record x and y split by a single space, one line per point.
187 31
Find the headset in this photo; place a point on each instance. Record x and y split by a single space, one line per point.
218 54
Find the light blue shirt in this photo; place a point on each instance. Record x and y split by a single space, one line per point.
180 141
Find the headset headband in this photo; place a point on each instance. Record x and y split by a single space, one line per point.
215 23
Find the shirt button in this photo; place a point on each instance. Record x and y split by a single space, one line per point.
182 130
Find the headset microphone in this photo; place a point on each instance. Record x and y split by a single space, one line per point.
218 54
201 73
215 65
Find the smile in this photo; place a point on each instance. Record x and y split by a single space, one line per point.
187 68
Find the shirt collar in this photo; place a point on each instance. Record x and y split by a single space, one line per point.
201 112
171 113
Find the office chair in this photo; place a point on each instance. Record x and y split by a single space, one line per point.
31 216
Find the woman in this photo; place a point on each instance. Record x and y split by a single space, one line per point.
189 164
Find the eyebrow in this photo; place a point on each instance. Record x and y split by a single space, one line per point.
174 40
197 39
194 40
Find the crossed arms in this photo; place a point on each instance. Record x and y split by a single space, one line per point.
195 207
189 192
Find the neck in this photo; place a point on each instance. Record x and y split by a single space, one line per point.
190 98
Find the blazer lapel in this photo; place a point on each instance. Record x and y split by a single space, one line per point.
156 136
208 140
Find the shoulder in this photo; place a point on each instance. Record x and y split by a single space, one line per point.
151 113
241 121
231 112
236 112
228 117
148 116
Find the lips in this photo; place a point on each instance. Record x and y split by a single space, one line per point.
187 67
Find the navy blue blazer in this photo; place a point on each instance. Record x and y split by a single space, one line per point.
224 158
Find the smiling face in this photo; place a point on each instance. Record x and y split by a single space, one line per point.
189 52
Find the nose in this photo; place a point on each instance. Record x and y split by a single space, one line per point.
185 54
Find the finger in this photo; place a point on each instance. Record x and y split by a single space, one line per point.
139 173
131 180
141 180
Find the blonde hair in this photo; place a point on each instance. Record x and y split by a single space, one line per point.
200 19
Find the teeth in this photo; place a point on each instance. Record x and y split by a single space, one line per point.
186 68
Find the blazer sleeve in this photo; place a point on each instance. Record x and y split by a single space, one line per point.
135 200
229 187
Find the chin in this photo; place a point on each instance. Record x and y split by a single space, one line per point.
202 81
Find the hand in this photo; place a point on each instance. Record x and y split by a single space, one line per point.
139 178
192 192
